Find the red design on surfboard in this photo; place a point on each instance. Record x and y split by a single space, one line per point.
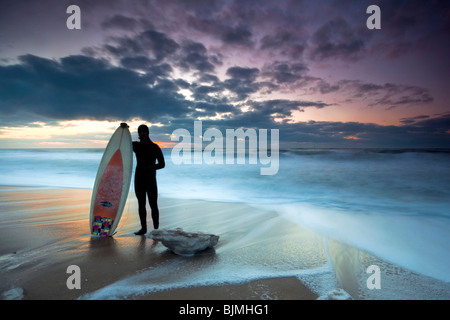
110 189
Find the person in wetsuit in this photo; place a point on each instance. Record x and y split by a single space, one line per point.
147 153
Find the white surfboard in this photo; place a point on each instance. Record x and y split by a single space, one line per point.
112 184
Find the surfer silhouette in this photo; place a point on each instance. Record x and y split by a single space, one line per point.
145 185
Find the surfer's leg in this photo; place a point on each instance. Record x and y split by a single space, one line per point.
153 200
155 211
140 195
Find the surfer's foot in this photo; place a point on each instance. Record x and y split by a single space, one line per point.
141 232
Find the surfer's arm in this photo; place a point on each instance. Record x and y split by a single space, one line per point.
160 157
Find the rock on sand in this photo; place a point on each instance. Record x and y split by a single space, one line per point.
184 243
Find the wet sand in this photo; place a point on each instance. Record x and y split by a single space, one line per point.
44 231
260 255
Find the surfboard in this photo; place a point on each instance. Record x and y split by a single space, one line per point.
112 184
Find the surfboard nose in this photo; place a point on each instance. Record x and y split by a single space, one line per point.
124 125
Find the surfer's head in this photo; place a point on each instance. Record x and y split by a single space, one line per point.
143 132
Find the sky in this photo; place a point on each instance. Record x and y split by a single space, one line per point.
311 69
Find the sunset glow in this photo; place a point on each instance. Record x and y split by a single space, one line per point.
309 69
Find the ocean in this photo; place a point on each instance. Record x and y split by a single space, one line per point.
392 204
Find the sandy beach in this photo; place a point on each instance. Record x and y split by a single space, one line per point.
260 255
43 231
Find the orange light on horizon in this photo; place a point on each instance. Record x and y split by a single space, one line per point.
351 138
65 134
165 145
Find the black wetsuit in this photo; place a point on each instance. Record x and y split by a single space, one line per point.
147 153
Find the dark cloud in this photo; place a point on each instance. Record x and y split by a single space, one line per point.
242 82
284 42
337 39
411 27
150 70
325 87
239 35
281 107
209 78
229 34
413 120
243 74
209 94
284 72
136 62
388 95
427 133
149 43
121 22
276 39
439 125
394 95
194 56
158 43
149 48
430 133
403 18
80 87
